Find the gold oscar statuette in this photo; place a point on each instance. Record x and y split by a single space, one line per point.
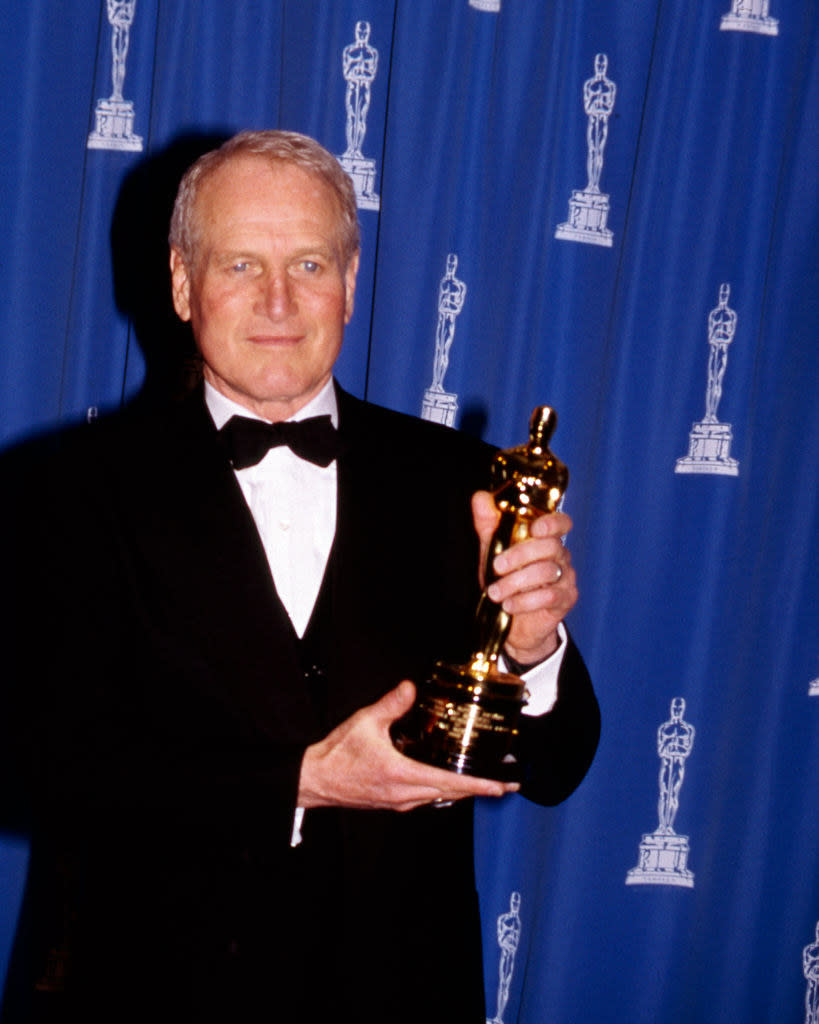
466 717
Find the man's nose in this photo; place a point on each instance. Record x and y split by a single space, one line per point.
276 295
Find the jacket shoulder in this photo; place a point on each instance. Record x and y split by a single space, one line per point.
411 440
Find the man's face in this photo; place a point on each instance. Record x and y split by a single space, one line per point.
268 295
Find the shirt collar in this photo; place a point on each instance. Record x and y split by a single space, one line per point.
221 408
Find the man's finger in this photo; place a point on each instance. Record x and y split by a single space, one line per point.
395 703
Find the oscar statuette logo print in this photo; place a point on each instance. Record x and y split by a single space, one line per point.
114 127
440 406
749 16
508 932
359 64
810 968
709 442
589 207
663 853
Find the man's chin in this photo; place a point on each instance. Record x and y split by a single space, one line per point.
279 398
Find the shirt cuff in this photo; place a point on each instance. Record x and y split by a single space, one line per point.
295 835
541 681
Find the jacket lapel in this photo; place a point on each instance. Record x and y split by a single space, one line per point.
364 579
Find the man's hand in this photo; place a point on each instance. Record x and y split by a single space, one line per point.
537 584
356 765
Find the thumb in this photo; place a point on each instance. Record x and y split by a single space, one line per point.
485 516
395 703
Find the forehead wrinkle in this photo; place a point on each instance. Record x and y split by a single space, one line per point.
316 200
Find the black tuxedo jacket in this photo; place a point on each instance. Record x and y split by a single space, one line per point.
160 705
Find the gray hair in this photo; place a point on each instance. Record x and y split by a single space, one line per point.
277 147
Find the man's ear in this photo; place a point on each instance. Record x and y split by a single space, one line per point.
180 286
349 286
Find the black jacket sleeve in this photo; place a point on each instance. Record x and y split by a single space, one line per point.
556 749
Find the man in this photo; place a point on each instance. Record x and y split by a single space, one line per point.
205 738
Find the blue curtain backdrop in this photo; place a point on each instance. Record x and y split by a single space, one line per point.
607 207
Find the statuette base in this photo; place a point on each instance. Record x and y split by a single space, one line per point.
439 407
709 449
115 127
663 861
737 23
362 170
465 721
588 213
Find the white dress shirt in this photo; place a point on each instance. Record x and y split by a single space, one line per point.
293 503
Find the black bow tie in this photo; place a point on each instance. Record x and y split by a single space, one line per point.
248 440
